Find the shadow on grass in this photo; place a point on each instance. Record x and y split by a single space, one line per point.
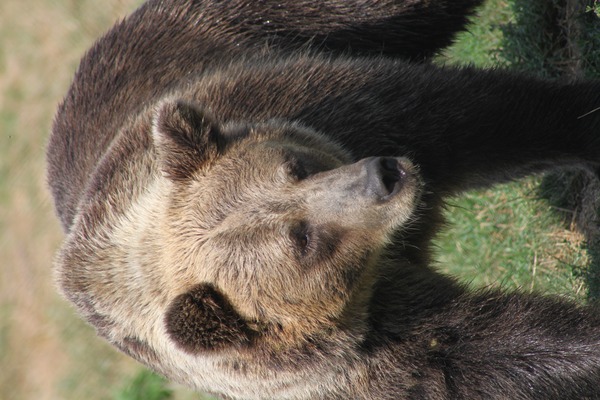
576 193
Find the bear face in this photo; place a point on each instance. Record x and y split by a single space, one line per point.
270 209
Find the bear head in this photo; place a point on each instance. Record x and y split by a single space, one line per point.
273 231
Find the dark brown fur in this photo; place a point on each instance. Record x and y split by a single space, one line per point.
203 319
249 190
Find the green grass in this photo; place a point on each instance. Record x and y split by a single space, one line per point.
594 8
480 45
145 386
511 237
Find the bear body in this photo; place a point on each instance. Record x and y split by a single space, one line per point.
249 191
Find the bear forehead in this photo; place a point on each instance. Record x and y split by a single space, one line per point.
257 179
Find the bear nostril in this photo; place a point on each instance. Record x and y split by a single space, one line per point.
391 173
385 176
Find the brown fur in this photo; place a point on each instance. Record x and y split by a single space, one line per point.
249 191
202 319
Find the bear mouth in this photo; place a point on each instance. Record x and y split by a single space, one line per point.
386 177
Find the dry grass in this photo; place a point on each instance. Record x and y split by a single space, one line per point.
45 351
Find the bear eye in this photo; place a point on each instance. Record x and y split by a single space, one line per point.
303 241
296 169
300 235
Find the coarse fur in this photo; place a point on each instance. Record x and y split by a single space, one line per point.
249 191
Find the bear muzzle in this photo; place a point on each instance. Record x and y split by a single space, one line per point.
375 192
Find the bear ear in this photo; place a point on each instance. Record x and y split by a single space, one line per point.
202 319
185 137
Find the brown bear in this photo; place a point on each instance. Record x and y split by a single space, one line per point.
250 188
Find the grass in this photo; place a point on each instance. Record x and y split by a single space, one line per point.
145 386
480 45
594 8
503 236
511 237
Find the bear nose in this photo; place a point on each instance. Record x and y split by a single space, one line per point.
385 176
